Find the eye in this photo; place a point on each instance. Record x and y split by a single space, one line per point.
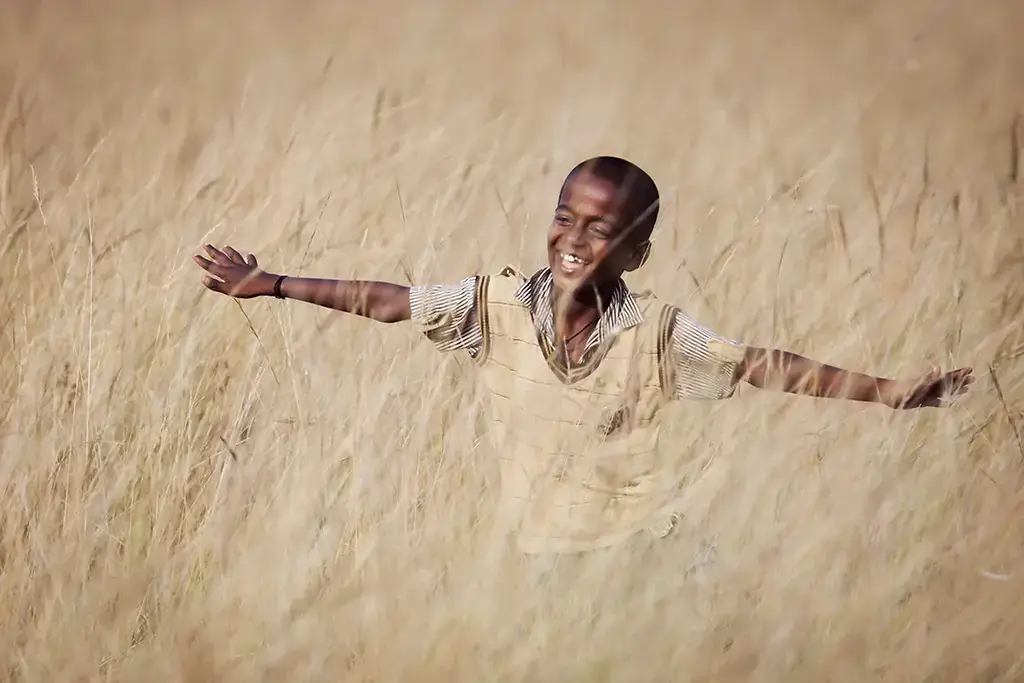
562 219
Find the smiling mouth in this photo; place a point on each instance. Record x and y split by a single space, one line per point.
571 263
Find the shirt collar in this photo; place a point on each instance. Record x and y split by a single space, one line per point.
622 312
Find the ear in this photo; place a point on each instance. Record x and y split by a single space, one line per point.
641 253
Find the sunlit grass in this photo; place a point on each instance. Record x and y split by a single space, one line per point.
197 489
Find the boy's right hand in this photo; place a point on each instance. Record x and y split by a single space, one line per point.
233 275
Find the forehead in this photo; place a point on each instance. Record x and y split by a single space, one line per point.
591 195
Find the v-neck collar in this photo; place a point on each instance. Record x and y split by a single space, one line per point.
622 313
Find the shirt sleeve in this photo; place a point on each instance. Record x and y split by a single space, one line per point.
447 315
703 362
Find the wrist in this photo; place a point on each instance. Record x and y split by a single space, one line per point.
268 283
891 393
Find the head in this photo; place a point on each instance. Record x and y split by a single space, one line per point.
602 225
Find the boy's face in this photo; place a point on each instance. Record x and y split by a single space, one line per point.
586 244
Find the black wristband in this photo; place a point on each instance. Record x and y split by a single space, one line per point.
277 286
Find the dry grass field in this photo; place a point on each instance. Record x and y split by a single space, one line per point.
199 489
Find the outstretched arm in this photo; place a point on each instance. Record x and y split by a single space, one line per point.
241 278
785 371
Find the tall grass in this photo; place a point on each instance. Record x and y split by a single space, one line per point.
200 489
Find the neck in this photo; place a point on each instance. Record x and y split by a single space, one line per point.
580 308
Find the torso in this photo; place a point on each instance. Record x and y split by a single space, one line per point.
578 439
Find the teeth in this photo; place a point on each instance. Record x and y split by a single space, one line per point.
572 259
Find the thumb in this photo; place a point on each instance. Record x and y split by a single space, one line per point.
213 284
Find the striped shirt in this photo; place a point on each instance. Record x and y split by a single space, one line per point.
705 362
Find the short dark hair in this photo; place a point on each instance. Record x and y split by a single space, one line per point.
642 199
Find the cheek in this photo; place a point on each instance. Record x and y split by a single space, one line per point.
555 232
610 259
601 252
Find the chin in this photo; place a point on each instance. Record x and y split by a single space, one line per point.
567 283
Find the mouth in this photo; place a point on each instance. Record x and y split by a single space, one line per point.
570 264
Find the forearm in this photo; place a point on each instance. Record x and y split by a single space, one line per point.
789 372
381 301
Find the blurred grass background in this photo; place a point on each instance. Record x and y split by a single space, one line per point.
196 489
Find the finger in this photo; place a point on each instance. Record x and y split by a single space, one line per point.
234 255
217 255
251 261
209 266
964 378
958 379
955 386
203 263
964 385
213 285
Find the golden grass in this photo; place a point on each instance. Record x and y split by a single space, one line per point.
187 498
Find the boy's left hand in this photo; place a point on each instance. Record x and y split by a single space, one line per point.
932 390
233 275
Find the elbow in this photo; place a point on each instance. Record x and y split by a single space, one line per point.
753 379
754 367
391 305
394 311
389 314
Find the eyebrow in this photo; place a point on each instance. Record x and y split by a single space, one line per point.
603 216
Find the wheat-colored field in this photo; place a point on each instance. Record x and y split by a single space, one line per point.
199 489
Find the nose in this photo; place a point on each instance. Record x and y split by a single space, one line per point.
576 233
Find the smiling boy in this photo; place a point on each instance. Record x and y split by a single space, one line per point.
577 366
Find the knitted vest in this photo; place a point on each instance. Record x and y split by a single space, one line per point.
580 466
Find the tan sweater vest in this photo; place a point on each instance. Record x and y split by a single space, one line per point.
580 466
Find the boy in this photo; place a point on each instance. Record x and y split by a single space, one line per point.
577 366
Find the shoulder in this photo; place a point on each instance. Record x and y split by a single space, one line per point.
657 314
510 273
503 286
679 332
647 300
429 300
694 338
